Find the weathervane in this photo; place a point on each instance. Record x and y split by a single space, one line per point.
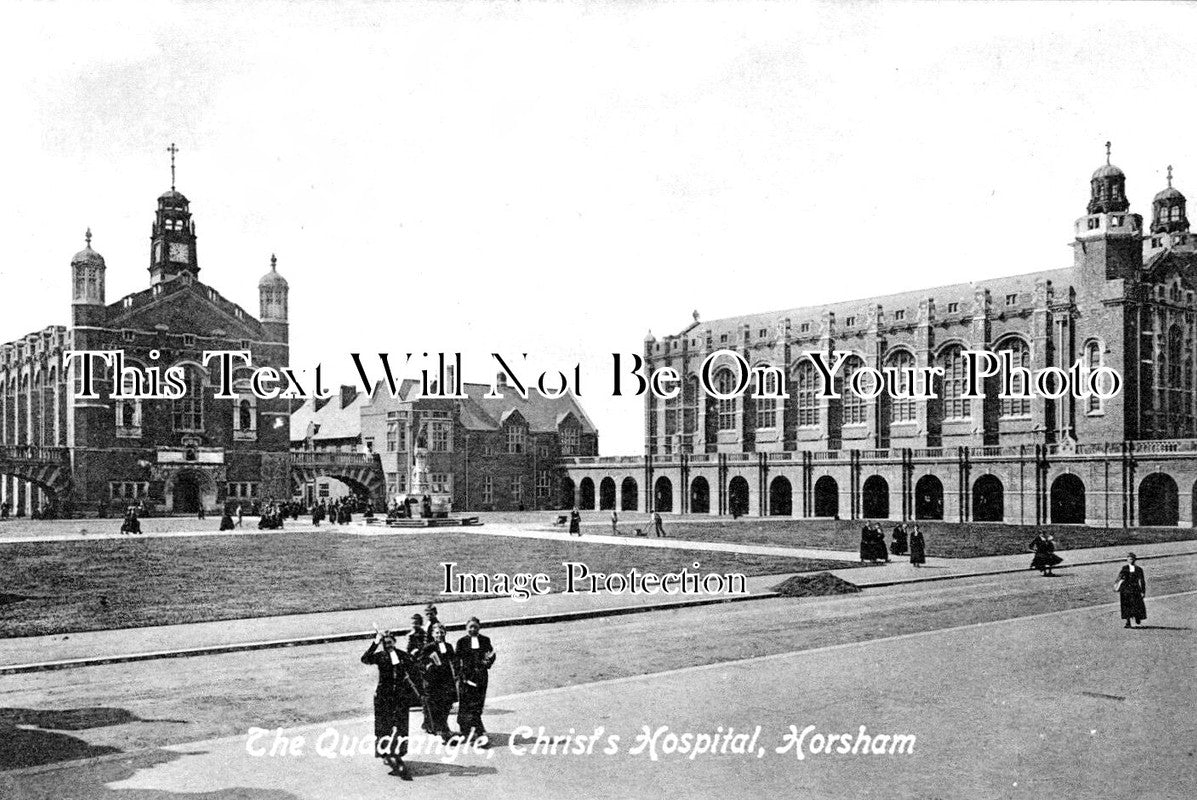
172 150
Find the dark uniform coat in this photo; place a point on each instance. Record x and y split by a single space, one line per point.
398 680
1132 586
918 548
474 660
438 663
1045 553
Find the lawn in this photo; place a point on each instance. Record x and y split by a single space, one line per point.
944 540
121 583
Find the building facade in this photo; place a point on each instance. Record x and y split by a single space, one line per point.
475 453
169 455
1126 302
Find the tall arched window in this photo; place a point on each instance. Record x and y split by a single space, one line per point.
1020 355
902 407
766 407
188 411
855 407
954 405
128 412
690 405
245 412
726 384
1093 361
806 394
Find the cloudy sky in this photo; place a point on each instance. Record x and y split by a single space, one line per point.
559 179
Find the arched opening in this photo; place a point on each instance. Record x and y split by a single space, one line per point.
1159 501
567 493
781 497
700 496
663 495
737 497
827 497
1068 500
606 494
928 498
989 504
875 498
191 490
629 495
586 501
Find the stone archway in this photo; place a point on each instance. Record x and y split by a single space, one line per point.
827 497
875 498
737 497
567 493
781 497
700 496
586 495
663 495
607 494
189 491
928 498
629 495
989 504
1068 500
1159 501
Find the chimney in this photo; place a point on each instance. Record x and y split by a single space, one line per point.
501 379
347 395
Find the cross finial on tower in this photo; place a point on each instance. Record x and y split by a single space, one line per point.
273 263
87 237
1107 154
1169 176
172 150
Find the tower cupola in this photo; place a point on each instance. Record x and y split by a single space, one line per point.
172 237
1107 189
272 292
87 275
1168 210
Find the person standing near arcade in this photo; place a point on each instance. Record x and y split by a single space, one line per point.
1132 588
475 657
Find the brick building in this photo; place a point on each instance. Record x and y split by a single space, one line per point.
479 453
1126 302
172 455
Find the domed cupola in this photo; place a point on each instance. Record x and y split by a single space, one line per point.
272 292
1168 210
1107 189
87 275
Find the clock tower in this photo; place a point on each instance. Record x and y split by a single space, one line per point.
172 238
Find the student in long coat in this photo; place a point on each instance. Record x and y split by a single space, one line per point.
1045 553
575 523
440 682
475 657
899 545
918 547
397 691
866 544
1132 588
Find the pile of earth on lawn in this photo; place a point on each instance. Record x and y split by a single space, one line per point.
817 585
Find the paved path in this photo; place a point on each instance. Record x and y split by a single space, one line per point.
1062 704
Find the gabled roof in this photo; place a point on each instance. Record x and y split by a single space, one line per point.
183 305
334 421
542 414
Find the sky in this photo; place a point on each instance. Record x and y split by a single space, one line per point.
560 179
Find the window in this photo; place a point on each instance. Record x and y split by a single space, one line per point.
128 412
188 411
128 490
1012 299
189 340
806 389
369 442
517 437
954 406
766 407
855 407
438 437
517 489
1021 357
127 302
849 321
804 327
393 432
242 490
763 333
902 408
488 489
725 383
439 482
542 483
953 308
723 338
127 335
570 439
1093 361
690 405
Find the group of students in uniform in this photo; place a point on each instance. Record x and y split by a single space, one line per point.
872 544
429 673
